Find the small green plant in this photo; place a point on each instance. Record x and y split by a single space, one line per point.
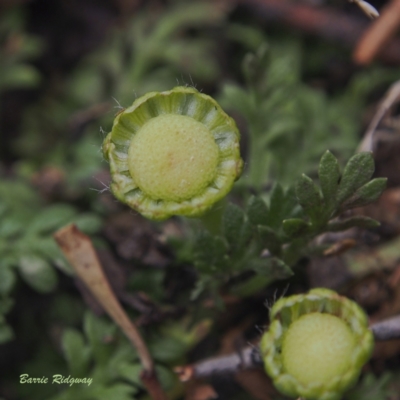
98 362
151 52
285 117
27 247
285 226
316 345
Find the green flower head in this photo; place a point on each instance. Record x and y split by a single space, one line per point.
316 345
173 153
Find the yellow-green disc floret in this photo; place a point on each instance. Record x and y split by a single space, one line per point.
173 157
173 153
317 348
316 345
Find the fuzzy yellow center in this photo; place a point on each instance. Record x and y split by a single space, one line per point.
173 157
317 348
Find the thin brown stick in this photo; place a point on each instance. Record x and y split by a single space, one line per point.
79 251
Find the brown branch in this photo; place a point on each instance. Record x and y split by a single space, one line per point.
387 329
79 251
250 356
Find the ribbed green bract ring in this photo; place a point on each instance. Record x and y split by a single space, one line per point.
173 153
316 345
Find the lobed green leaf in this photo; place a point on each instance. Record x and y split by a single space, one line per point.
257 211
294 227
272 267
269 239
48 220
357 172
130 372
274 217
329 177
283 205
88 223
209 252
96 330
37 273
167 349
245 236
309 198
232 223
11 227
366 194
76 352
